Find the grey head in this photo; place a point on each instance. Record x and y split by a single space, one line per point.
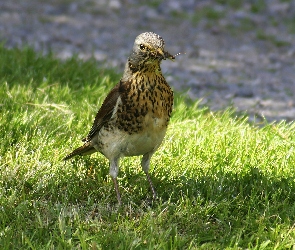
148 50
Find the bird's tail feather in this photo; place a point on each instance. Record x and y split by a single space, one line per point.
86 149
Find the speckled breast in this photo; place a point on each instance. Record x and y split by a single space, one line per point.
145 104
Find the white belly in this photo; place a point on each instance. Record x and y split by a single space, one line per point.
118 143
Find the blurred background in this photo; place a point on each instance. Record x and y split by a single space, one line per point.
238 53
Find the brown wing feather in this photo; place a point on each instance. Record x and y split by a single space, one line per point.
105 112
103 116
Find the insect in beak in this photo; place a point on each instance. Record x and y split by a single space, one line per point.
171 57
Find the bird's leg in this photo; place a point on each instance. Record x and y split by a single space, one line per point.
151 185
145 163
114 170
117 190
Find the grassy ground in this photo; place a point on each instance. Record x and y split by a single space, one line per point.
222 182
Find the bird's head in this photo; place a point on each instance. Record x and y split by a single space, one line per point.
148 49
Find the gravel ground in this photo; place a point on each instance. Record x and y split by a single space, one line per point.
239 54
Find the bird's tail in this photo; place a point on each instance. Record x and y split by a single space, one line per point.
86 149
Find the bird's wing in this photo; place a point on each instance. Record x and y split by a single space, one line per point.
106 111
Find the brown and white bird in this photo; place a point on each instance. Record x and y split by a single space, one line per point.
134 116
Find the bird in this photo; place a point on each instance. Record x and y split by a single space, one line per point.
133 118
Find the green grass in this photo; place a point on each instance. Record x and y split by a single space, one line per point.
222 183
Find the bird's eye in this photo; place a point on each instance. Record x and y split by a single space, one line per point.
142 47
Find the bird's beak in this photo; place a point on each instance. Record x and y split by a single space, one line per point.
169 56
165 55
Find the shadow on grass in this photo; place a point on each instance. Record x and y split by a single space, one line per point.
253 190
205 207
85 181
229 185
252 187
